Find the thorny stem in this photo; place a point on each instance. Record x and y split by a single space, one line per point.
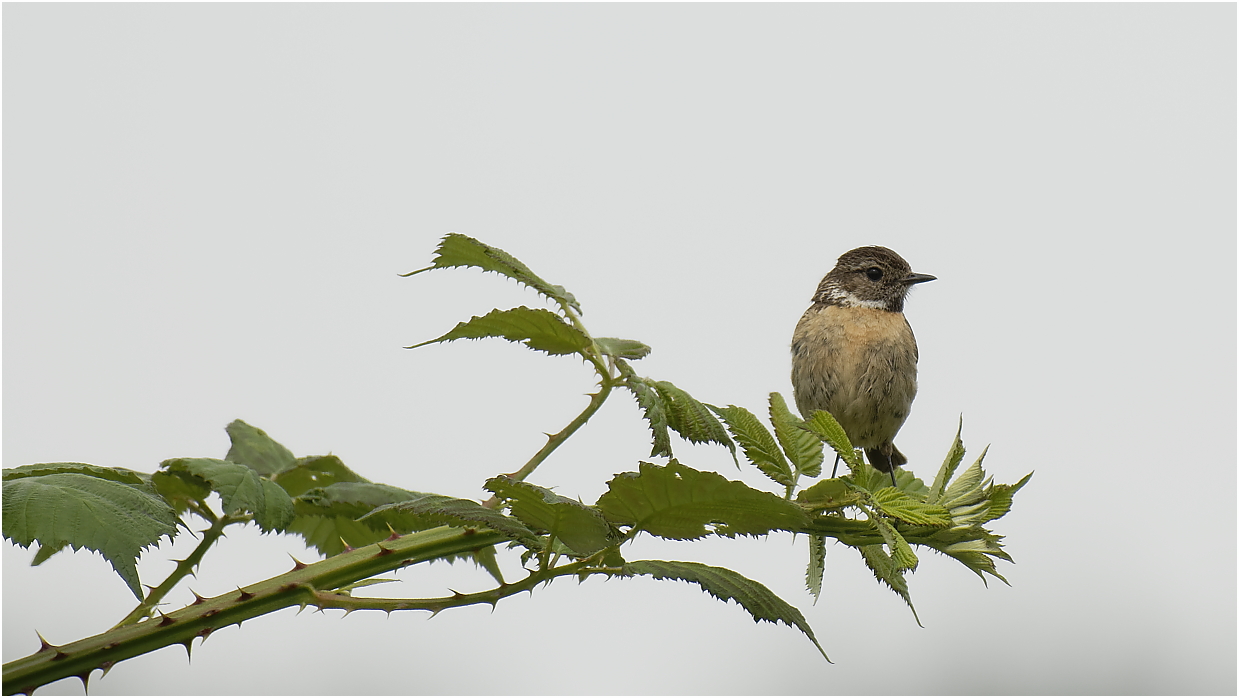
492 596
183 567
607 382
205 615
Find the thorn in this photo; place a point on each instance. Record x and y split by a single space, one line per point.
85 677
197 599
106 667
393 536
210 613
205 632
44 645
245 595
298 565
347 548
189 646
455 594
383 551
165 620
470 531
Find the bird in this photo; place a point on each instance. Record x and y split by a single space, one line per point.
854 354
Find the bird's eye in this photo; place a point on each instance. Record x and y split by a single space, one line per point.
874 273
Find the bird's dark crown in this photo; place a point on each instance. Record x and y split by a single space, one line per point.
869 277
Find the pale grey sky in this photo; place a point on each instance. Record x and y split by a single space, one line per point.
206 208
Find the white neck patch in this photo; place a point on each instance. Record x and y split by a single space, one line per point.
848 299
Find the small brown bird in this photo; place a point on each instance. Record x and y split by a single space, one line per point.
854 355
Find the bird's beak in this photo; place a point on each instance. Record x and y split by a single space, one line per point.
917 279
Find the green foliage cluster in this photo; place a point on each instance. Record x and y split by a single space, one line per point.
365 528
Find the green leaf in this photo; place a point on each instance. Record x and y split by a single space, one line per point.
181 489
462 513
315 471
888 572
45 553
113 518
828 494
726 585
251 446
122 475
690 418
485 558
967 488
973 546
901 553
327 516
458 250
871 479
759 446
536 328
954 455
675 501
804 450
898 504
652 407
241 489
817 566
824 425
1000 498
582 528
622 348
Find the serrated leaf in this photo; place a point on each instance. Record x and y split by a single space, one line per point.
888 573
122 475
622 348
115 519
675 501
485 558
45 553
966 489
310 472
1001 496
582 528
827 428
327 516
899 505
817 566
251 446
652 407
954 455
828 494
801 446
241 489
456 250
462 513
181 489
901 553
757 443
691 419
536 328
871 479
726 585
